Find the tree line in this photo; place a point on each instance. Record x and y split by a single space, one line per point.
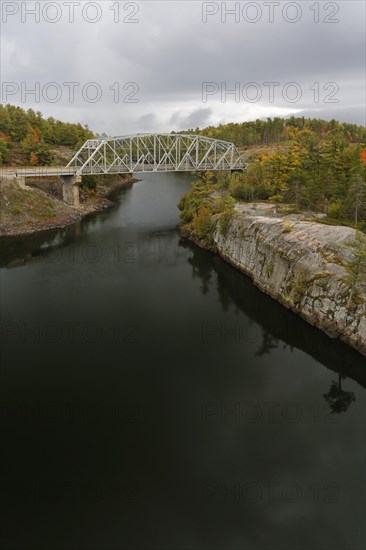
277 130
34 136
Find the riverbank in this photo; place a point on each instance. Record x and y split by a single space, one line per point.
303 265
40 207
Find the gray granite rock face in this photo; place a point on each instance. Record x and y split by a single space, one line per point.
302 265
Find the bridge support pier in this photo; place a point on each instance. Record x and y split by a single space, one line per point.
70 189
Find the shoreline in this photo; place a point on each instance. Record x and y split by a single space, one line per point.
92 203
302 269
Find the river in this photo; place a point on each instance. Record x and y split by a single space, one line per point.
153 398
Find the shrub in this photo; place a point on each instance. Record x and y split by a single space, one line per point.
335 210
16 209
4 151
227 214
238 189
88 183
287 227
203 224
298 290
268 268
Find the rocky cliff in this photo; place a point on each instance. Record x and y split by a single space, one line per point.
302 265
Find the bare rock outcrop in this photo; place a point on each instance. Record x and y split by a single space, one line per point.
302 265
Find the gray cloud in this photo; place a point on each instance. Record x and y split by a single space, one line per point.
171 52
198 118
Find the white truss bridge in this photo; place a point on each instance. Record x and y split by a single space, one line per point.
155 153
132 154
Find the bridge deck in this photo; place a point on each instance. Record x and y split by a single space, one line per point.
56 171
37 171
144 167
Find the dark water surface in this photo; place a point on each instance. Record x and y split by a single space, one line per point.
153 398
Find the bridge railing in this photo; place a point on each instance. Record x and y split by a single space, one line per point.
37 171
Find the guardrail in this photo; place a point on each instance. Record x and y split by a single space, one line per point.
37 171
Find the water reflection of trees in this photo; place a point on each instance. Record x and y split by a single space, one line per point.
279 326
268 344
149 249
338 399
47 246
201 269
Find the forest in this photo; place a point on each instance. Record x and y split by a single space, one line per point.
313 165
29 137
277 130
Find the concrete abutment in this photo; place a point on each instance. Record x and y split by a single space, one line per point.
70 189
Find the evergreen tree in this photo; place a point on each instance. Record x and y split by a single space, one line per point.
357 266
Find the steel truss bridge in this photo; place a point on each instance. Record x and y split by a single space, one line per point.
131 154
155 153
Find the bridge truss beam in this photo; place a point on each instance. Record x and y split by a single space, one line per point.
156 153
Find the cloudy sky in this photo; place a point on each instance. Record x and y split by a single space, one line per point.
125 67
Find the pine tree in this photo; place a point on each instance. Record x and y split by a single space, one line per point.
357 266
4 151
